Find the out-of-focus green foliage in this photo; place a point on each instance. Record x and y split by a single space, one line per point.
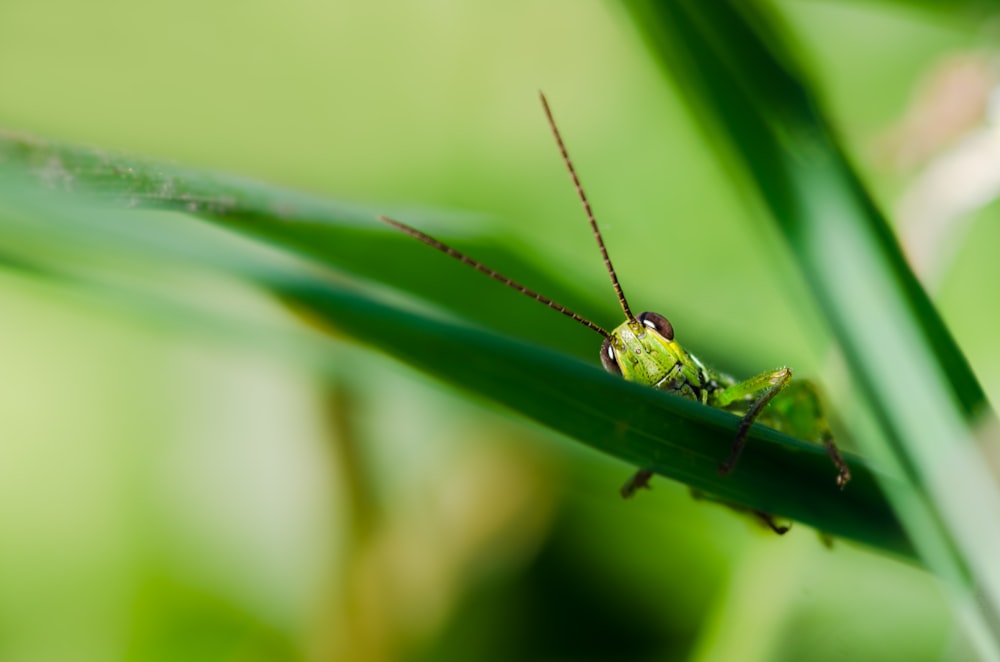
209 479
677 438
743 77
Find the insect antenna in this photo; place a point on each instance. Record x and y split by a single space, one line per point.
587 209
479 266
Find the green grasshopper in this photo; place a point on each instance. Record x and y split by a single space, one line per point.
642 349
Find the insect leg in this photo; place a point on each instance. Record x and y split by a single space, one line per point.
798 410
765 518
767 385
795 409
639 480
843 472
768 519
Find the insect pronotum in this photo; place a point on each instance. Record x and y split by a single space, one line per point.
643 349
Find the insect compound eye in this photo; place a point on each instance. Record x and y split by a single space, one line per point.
608 358
658 323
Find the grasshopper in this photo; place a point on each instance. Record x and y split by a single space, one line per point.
643 349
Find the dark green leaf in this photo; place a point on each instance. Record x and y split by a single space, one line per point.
644 427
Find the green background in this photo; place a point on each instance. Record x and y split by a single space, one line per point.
167 494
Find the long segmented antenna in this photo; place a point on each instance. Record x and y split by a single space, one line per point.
587 209
479 266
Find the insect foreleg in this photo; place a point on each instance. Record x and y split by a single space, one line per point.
639 480
767 385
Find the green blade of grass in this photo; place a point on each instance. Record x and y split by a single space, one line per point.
677 438
732 61
346 236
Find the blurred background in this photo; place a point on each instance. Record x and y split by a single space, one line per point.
167 494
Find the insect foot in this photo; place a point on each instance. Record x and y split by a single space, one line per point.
640 480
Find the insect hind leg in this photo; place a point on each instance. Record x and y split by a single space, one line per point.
793 407
765 518
798 411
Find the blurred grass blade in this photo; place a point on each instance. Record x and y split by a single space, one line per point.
333 233
732 61
645 427
678 438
